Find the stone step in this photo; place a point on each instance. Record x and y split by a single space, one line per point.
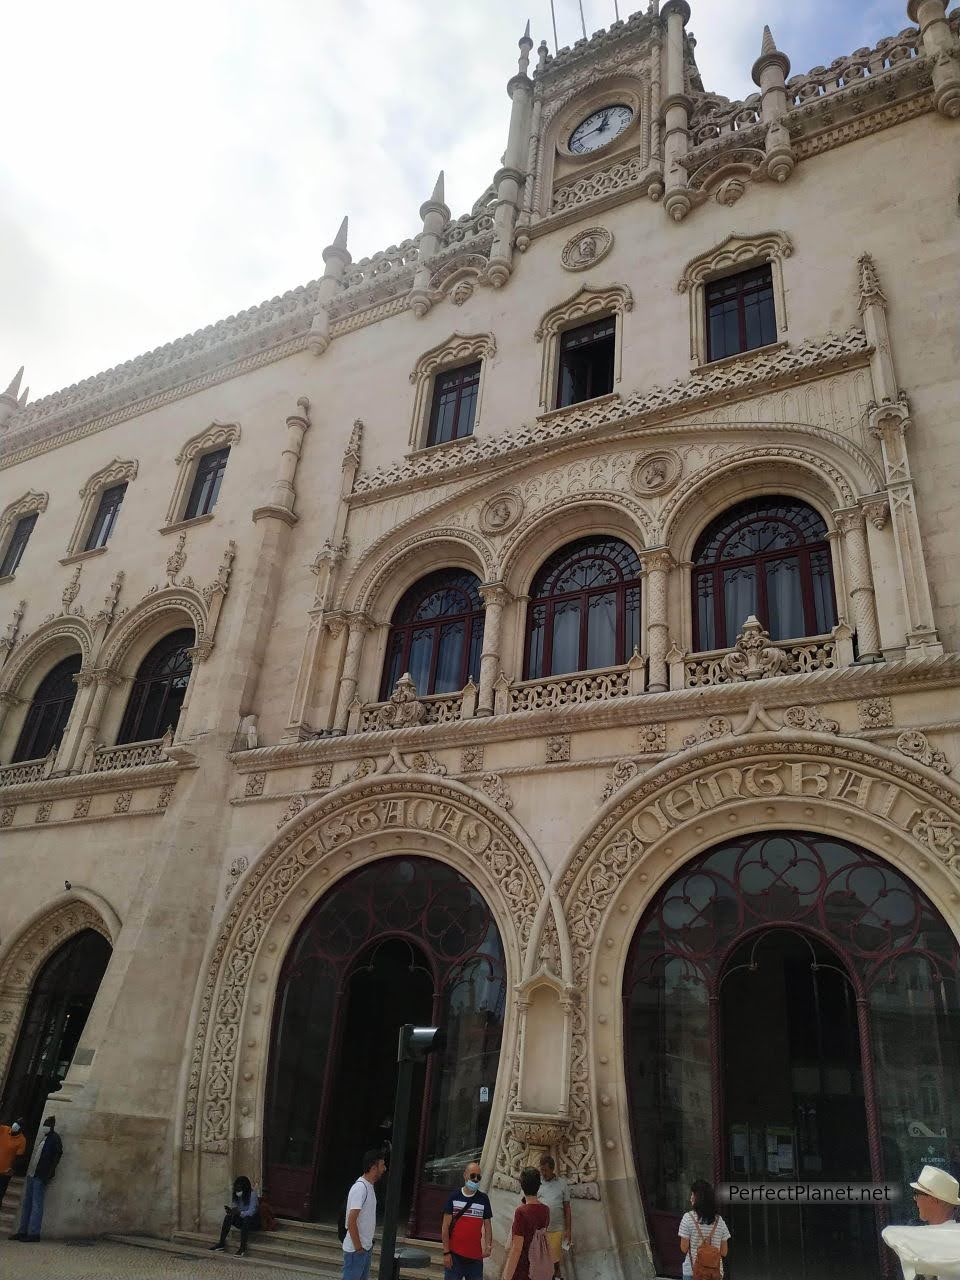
182 1247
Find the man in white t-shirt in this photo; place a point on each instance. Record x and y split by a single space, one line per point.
555 1194
362 1218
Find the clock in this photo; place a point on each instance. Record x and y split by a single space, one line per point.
599 128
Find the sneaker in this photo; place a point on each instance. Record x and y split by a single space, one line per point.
218 1248
17 1235
241 1253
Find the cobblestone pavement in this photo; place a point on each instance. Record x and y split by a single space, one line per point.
106 1261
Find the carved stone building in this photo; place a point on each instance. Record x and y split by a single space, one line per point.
603 704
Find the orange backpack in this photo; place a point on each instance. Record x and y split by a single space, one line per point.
707 1265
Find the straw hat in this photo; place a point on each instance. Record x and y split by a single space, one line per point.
939 1184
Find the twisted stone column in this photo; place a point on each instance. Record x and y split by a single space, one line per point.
859 574
657 565
358 624
495 599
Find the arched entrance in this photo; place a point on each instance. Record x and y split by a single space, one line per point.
402 940
791 1014
60 1002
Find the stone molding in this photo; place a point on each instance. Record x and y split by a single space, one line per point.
217 436
333 835
116 472
458 349
785 366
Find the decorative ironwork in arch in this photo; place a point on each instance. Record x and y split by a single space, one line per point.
436 634
863 921
767 556
584 611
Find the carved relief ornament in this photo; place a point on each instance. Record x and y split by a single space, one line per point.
656 472
586 249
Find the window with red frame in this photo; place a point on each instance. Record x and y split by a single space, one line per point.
436 634
454 408
584 610
740 313
769 557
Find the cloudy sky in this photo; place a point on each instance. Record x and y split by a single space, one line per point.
165 166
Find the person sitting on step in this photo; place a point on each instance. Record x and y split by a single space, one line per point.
243 1213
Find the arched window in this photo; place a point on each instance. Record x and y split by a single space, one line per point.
49 711
436 634
159 689
584 608
769 557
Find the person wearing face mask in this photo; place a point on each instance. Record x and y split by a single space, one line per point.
47 1151
13 1143
465 1229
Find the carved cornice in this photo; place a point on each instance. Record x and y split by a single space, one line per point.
784 366
73 785
457 349
736 251
26 505
812 689
117 472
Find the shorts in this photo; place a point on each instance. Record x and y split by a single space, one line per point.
463 1268
555 1241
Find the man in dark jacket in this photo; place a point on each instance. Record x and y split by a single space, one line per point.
43 1165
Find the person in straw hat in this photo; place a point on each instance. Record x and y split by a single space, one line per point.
930 1252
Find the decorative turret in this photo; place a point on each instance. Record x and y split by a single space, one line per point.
770 73
336 259
509 180
676 108
435 214
12 399
942 48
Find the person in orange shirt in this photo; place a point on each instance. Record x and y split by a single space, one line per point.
13 1144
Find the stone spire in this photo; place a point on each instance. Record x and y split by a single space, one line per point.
769 44
336 259
435 215
11 400
770 57
526 44
510 177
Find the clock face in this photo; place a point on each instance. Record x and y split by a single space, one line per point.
599 128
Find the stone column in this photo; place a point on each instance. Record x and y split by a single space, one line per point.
8 701
336 259
103 681
770 73
657 564
435 215
358 624
495 599
509 180
859 577
942 48
676 108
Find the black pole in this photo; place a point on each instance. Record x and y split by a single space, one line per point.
401 1117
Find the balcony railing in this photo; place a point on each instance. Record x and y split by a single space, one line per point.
13 775
129 756
570 690
756 657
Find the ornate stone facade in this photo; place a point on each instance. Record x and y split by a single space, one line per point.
312 744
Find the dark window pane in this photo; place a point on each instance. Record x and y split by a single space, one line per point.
156 698
454 407
206 484
703 603
436 634
632 637
538 623
825 606
601 631
49 711
740 313
785 599
739 598
586 362
566 637
17 544
106 517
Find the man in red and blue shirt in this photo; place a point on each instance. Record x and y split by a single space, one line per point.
466 1229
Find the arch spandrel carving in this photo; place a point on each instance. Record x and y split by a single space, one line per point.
24 957
381 561
378 817
682 806
31 649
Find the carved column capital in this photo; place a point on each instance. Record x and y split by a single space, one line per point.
495 594
850 520
657 560
876 509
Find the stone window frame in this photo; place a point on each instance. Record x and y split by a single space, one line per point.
590 302
30 503
735 254
219 435
459 349
119 471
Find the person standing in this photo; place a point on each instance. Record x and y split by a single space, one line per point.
243 1213
361 1218
530 1218
555 1194
701 1225
13 1143
466 1228
932 1250
47 1152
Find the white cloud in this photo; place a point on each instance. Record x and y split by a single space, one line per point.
171 165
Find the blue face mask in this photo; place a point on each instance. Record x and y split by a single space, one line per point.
472 1184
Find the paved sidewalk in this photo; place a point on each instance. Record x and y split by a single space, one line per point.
103 1260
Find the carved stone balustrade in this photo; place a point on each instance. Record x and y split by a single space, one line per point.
129 756
13 775
406 708
731 666
864 64
572 690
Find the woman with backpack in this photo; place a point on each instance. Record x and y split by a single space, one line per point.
528 1257
704 1235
